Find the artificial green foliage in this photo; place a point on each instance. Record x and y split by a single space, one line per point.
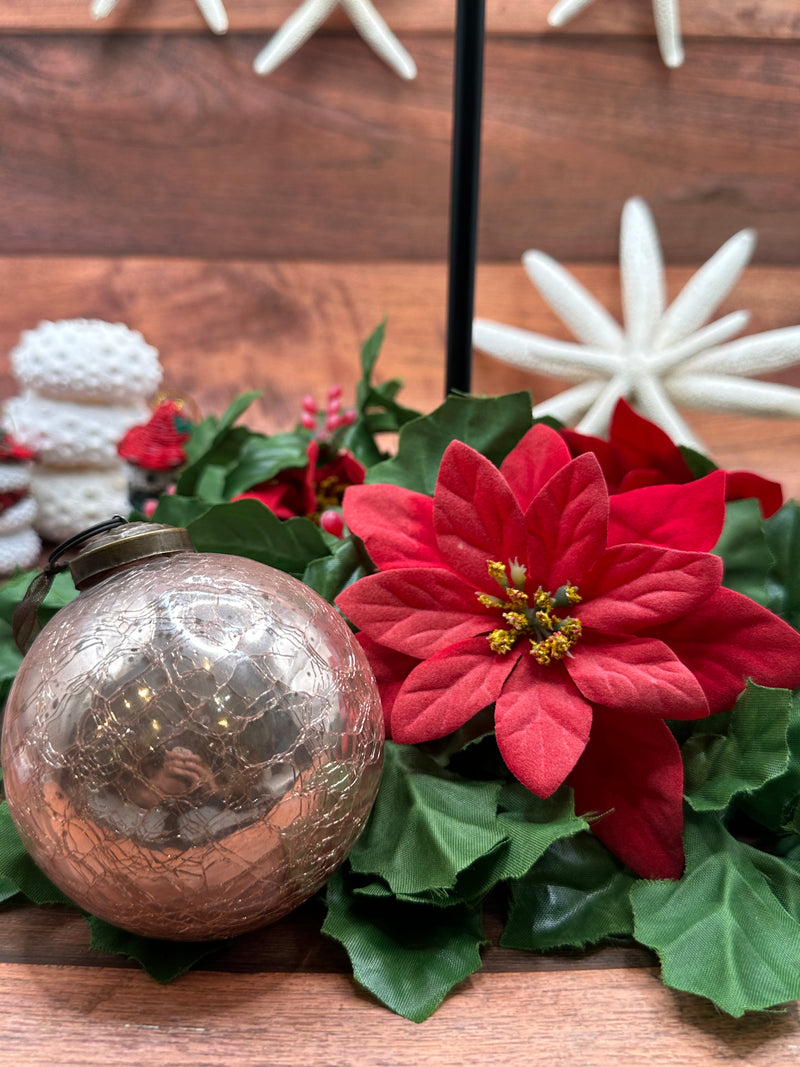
407 955
697 463
247 528
723 931
347 562
162 960
491 425
740 751
427 825
783 537
18 870
776 805
377 408
576 895
744 550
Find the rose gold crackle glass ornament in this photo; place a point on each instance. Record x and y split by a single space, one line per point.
192 746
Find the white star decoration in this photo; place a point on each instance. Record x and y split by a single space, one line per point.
213 12
664 355
309 17
300 25
668 25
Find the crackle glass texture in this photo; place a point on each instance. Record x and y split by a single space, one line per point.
191 747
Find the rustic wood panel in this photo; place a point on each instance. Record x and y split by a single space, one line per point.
169 145
295 327
77 1017
712 18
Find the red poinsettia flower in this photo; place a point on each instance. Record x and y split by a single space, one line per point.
312 490
639 453
587 620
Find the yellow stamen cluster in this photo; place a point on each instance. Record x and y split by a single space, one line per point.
550 636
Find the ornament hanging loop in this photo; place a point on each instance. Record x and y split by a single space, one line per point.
25 623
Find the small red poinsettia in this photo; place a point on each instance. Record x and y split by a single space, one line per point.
639 453
587 620
312 490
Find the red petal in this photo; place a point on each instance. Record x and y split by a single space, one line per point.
476 515
631 773
634 586
448 689
542 725
643 444
533 461
741 485
730 639
567 524
390 669
395 524
607 456
679 516
418 610
635 674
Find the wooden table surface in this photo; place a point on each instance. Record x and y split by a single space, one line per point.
283 995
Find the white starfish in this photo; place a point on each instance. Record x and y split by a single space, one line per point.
213 12
302 23
664 355
668 25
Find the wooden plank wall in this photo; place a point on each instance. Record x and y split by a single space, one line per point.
256 229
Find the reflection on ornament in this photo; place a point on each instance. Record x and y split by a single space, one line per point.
191 746
668 25
307 19
665 355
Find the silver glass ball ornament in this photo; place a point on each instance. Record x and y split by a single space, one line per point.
192 746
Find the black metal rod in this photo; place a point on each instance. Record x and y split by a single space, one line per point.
464 182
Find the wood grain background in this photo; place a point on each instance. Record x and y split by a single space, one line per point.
256 230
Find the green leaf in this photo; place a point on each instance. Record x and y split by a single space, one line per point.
7 890
576 895
407 955
329 575
491 425
247 528
162 960
427 825
783 537
10 659
18 869
210 483
212 428
61 592
722 931
776 805
743 549
749 750
697 463
261 458
180 510
370 351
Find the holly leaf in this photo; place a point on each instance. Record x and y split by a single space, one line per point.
17 869
722 931
162 960
213 428
407 955
743 548
739 752
491 425
247 528
427 825
576 895
783 537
